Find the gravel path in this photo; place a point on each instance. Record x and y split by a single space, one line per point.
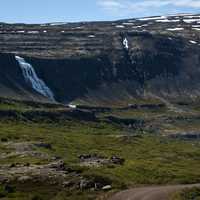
150 193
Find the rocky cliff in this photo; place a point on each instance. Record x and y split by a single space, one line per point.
103 62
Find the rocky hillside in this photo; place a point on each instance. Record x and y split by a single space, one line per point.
102 62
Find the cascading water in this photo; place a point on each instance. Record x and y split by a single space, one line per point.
32 78
125 43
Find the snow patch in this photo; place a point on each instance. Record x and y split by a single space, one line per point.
20 31
180 14
191 20
31 78
193 42
91 36
33 32
196 29
196 26
128 23
175 29
192 16
79 27
168 20
132 20
137 27
72 106
152 18
58 23
144 25
43 24
120 26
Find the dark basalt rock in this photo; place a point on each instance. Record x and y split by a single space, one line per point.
9 189
186 136
143 106
117 160
41 115
43 145
131 123
94 108
59 165
88 62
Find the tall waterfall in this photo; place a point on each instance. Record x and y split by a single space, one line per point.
31 78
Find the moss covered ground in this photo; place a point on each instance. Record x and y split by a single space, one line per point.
150 158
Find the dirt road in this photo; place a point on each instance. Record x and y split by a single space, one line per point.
150 193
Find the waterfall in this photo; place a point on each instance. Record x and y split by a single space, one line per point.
125 43
31 78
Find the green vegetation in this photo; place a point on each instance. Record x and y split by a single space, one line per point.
149 158
188 194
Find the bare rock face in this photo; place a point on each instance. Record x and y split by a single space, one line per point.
104 61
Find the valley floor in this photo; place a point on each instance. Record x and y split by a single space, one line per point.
53 152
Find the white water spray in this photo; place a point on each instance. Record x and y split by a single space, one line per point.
32 78
125 43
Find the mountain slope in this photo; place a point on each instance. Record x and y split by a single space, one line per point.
105 62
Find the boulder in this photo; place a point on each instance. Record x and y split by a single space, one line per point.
107 187
86 184
24 179
117 160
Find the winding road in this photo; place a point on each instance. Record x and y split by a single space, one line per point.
150 193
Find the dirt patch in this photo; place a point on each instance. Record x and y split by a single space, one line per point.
151 193
94 160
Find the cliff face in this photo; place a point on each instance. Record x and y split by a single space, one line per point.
104 61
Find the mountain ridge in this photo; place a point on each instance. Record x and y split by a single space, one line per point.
106 62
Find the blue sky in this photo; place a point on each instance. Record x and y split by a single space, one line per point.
41 11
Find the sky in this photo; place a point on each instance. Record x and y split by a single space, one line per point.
43 11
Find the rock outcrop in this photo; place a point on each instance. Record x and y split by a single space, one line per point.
102 62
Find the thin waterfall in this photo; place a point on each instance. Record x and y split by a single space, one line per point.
125 43
31 78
